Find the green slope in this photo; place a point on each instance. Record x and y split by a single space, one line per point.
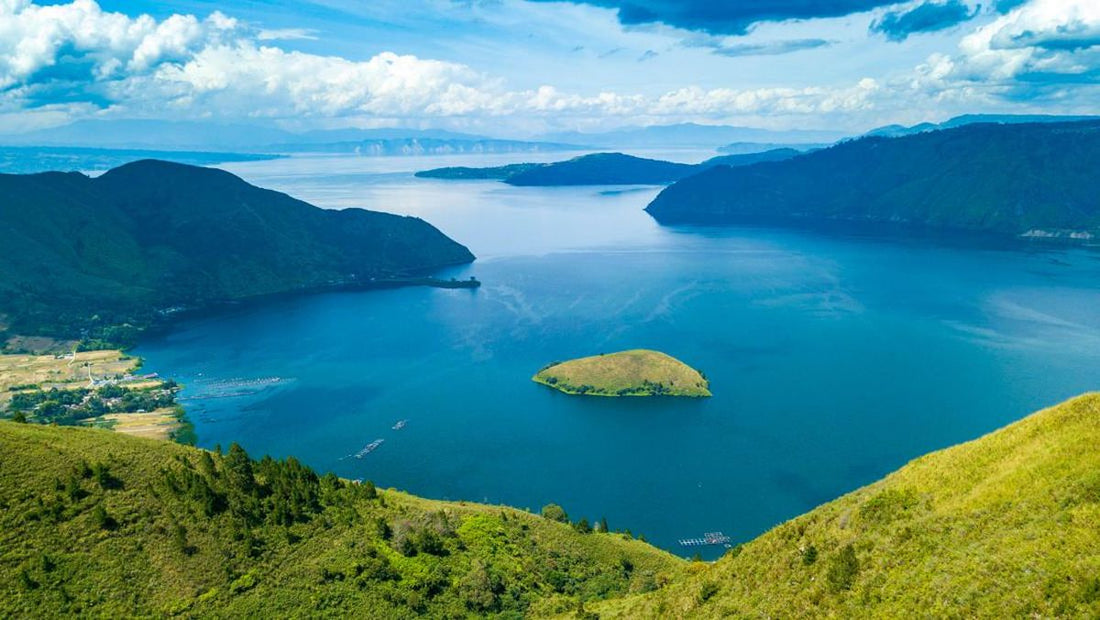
1007 526
638 372
79 253
1000 179
101 524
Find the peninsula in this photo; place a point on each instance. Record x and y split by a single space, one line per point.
604 169
83 256
639 372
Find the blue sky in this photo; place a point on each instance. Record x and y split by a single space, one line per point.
520 67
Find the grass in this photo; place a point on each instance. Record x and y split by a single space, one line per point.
639 372
100 524
1006 526
157 424
91 524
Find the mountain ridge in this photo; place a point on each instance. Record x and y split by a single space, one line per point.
89 253
1008 180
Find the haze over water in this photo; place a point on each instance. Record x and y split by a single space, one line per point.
833 359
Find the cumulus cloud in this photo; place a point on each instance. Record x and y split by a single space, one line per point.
931 16
1042 40
61 62
184 66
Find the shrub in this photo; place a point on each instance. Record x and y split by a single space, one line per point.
843 568
103 520
708 590
555 512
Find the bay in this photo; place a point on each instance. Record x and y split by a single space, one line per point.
833 359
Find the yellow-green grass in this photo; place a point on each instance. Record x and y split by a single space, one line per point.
1006 526
639 372
61 371
156 424
160 555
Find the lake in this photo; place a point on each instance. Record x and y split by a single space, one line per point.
833 359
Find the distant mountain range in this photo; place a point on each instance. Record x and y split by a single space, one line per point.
602 169
1036 180
690 135
80 253
31 159
748 148
190 135
894 131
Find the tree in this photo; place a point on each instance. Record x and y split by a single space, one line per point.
19 417
583 527
603 525
555 512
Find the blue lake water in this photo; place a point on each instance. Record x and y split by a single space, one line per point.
833 359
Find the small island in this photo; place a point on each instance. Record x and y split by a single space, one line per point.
639 372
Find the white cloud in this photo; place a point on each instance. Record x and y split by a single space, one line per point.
1042 37
287 34
187 67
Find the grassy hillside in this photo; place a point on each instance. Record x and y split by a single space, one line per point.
1007 526
639 372
96 523
1002 179
79 254
101 524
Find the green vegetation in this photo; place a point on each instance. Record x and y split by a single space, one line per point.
1036 180
628 373
100 524
1007 526
603 169
100 259
498 173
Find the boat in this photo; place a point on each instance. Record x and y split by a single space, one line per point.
370 447
400 425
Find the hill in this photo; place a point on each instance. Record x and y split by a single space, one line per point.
100 524
498 173
689 135
1007 526
604 169
628 373
893 131
1023 179
80 253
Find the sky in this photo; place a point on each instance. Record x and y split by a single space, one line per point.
517 68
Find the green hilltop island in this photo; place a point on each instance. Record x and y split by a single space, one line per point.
639 372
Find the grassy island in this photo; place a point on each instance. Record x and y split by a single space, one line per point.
640 372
